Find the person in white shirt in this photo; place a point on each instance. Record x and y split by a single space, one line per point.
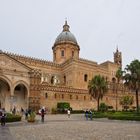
68 112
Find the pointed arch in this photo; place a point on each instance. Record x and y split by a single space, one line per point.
6 79
24 83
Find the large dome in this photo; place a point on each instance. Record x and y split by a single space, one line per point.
65 36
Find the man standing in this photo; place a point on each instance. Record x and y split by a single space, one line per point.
3 118
42 114
68 112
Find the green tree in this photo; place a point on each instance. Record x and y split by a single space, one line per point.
126 101
132 78
97 87
119 76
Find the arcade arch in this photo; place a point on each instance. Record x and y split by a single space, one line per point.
21 94
5 93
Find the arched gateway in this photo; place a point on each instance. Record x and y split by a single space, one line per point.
4 93
11 96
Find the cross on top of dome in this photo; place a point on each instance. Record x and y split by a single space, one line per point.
66 27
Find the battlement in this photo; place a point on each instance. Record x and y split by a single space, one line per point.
28 59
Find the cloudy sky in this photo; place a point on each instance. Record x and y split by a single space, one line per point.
30 27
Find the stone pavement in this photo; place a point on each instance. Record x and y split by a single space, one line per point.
60 127
5 133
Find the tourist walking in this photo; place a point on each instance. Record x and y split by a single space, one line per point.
42 114
68 112
0 114
22 111
26 114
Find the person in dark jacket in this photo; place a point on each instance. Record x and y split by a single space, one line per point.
86 114
42 114
26 114
3 118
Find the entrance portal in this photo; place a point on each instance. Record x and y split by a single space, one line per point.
20 97
4 94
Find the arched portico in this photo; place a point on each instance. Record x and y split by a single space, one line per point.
21 94
5 93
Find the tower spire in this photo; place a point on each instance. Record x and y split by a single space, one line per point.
117 48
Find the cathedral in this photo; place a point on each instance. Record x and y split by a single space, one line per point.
32 83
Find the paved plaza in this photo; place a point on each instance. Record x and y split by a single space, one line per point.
60 127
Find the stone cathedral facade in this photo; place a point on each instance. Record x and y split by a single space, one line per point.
30 82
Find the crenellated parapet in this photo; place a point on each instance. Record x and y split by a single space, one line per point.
31 60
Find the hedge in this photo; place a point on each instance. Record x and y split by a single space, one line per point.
117 117
12 118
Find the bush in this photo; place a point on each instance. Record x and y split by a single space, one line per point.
132 118
103 107
62 107
12 118
124 116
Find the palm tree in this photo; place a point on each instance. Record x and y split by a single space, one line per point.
132 78
119 75
97 88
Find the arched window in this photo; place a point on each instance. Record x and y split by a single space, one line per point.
52 80
76 97
62 96
72 53
64 79
70 96
113 80
84 97
62 53
85 77
55 96
46 95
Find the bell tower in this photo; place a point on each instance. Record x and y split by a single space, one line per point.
118 58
